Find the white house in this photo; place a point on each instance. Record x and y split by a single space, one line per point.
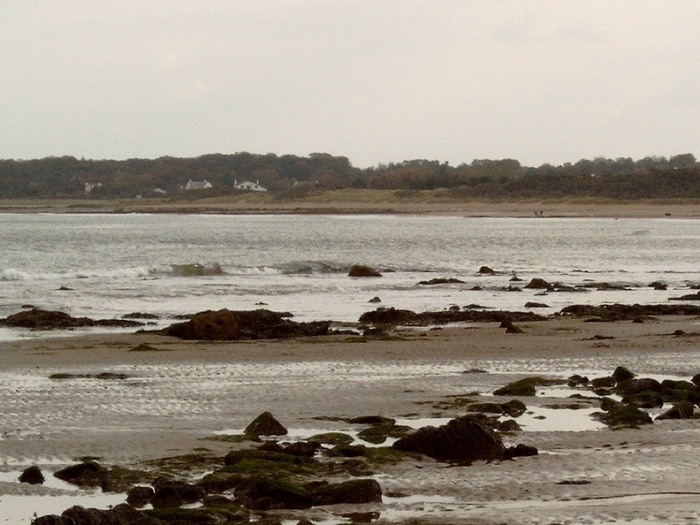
249 186
89 186
198 185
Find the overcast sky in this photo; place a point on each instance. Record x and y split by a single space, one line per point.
375 81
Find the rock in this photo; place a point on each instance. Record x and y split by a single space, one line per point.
298 448
86 474
265 425
622 374
539 284
682 410
635 386
621 312
360 270
356 491
462 440
523 387
375 300
221 325
231 325
52 519
521 450
532 304
394 317
371 420
186 491
511 328
167 498
32 475
266 493
120 515
139 496
624 416
38 319
441 280
509 425
696 379
658 285
603 382
485 270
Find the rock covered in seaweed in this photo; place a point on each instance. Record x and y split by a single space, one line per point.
462 440
229 325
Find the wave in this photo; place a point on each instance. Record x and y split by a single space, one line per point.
12 274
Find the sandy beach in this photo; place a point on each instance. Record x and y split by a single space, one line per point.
383 203
169 402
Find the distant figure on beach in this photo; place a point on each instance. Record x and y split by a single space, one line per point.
539 213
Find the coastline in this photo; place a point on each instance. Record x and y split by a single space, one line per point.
173 399
243 206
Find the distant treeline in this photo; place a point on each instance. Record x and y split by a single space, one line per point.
290 176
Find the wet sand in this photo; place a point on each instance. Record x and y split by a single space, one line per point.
523 208
170 400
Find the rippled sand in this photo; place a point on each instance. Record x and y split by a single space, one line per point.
173 398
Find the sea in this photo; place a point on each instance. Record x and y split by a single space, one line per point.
106 266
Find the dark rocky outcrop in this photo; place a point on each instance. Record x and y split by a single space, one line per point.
462 440
526 386
622 312
441 280
265 425
263 493
361 270
395 316
356 491
32 475
619 415
86 474
485 270
226 325
38 319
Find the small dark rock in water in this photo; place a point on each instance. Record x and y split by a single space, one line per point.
139 315
532 304
360 270
32 475
622 374
375 300
441 280
265 425
521 450
538 284
167 498
485 270
139 496
86 474
658 285
681 410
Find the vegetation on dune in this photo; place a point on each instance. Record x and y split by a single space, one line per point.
323 178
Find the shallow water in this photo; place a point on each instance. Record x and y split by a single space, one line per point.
106 266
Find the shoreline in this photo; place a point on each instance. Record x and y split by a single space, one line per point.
515 209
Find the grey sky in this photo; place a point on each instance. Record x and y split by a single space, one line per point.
376 81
